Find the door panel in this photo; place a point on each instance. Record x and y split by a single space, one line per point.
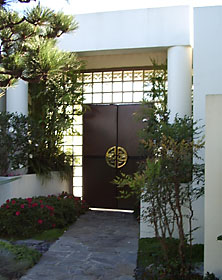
104 127
99 131
128 128
98 190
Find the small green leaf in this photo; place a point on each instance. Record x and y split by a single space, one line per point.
219 237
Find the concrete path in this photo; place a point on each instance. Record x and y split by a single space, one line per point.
99 246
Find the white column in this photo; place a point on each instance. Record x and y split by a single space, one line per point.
213 186
179 81
17 98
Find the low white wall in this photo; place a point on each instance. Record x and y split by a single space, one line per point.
32 185
213 186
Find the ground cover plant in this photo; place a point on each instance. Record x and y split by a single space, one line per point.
22 218
15 260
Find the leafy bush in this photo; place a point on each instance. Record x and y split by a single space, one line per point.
150 251
210 276
152 265
13 142
22 218
25 143
15 260
21 253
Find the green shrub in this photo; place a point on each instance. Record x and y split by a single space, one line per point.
15 260
152 264
21 253
23 218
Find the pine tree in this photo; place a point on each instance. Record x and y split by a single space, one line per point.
6 2
28 45
28 51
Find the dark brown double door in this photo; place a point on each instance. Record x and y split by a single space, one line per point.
108 127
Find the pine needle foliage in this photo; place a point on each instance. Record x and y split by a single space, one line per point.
29 51
28 45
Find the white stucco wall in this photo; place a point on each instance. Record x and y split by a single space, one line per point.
213 188
32 185
207 69
132 29
207 56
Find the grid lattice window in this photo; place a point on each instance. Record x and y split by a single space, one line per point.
120 86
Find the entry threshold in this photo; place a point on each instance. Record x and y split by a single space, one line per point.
112 210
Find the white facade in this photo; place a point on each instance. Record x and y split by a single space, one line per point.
133 39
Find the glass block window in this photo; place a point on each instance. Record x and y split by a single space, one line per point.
117 86
72 145
102 87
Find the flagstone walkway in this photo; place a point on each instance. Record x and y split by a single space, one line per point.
99 246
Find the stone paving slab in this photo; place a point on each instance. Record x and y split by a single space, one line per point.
99 246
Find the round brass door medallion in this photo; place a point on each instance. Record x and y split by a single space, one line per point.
116 157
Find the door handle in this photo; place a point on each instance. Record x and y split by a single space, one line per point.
116 157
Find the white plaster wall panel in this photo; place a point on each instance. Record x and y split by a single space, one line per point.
142 28
32 185
207 69
213 187
207 56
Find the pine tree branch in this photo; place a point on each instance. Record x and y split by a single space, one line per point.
12 24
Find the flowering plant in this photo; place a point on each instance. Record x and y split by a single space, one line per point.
23 217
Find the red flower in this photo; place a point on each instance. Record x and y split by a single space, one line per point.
29 200
22 206
50 207
53 225
34 204
2 206
41 201
7 201
7 206
40 221
13 202
42 206
17 213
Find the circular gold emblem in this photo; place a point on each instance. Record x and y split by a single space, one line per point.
116 157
